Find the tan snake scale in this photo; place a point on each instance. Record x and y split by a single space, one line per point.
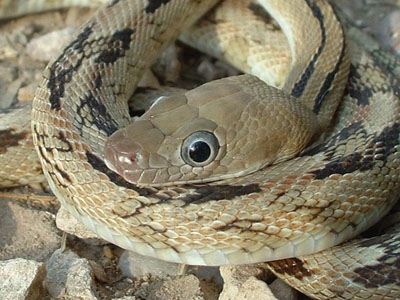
328 194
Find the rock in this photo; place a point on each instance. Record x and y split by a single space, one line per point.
99 272
76 16
136 265
226 68
149 80
46 47
168 65
21 279
282 291
69 276
377 18
388 31
209 274
9 85
209 71
26 93
241 283
6 50
183 288
26 233
67 223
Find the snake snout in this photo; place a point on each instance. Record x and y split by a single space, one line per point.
122 154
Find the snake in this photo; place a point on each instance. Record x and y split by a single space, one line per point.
238 204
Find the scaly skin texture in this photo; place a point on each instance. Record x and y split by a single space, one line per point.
19 164
327 195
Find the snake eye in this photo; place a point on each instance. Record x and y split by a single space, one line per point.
200 148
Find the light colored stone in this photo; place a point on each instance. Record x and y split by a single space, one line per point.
7 51
241 283
136 265
48 46
182 288
168 64
9 85
282 291
149 80
67 223
69 276
27 92
21 279
208 71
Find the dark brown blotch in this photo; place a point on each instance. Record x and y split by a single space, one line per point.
101 118
386 271
10 138
117 46
205 193
154 5
259 11
59 77
292 266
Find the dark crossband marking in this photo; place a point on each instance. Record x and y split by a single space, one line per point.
356 89
385 60
206 193
390 66
154 5
387 270
291 267
101 118
326 86
260 12
60 76
337 139
9 138
299 87
113 3
379 148
117 46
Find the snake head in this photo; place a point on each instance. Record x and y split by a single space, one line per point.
219 130
167 143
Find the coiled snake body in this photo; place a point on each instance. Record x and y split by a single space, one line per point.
331 192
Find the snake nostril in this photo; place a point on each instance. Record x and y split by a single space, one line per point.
127 159
132 158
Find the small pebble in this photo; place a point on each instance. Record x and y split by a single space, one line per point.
70 276
241 282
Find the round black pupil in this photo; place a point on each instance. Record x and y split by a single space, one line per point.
199 151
